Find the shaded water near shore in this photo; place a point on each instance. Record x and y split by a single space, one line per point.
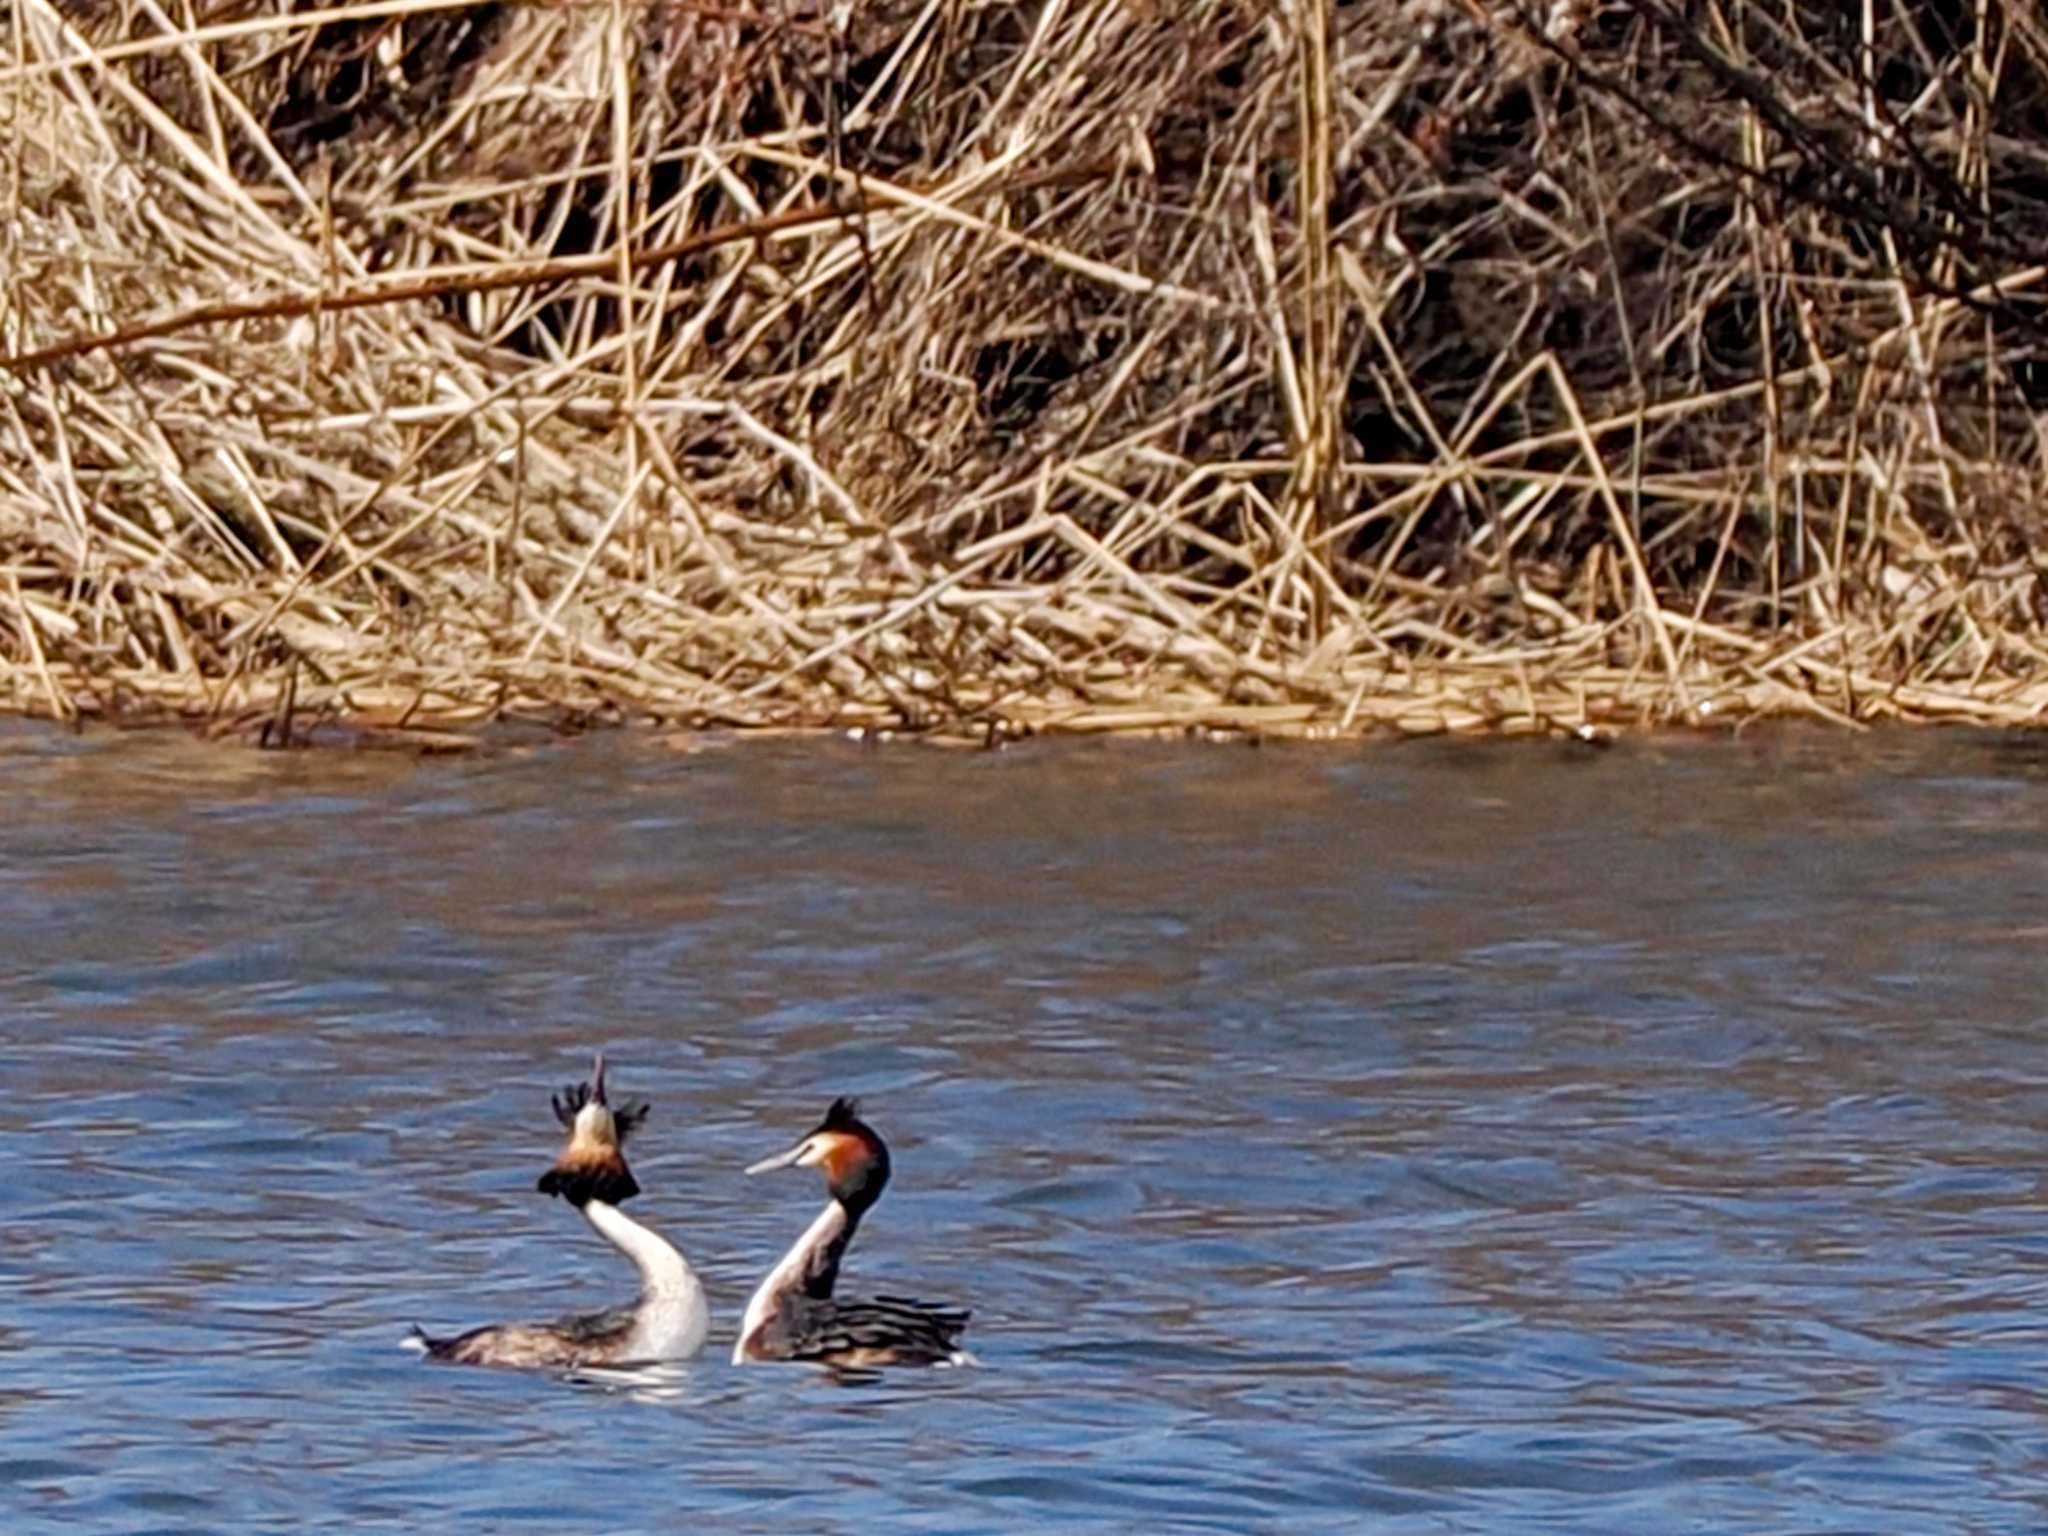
1443 1138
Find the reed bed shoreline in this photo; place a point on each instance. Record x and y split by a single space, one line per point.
378 371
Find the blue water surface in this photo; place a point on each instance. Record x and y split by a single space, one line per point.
1440 1138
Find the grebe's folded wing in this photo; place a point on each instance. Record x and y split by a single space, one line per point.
883 1330
567 1341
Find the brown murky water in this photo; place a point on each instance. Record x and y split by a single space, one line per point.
1446 1138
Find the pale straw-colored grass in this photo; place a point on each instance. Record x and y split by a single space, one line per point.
972 368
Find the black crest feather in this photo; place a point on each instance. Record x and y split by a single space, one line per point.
844 1114
627 1116
569 1101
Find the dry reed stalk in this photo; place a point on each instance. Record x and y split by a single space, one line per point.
957 369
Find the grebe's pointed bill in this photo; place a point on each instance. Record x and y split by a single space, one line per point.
793 1158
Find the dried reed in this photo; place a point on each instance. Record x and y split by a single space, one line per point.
944 365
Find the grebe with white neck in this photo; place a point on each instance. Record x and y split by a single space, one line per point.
794 1315
669 1319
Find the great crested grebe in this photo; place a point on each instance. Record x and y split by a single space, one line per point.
667 1322
793 1315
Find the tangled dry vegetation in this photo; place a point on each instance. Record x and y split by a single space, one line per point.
973 367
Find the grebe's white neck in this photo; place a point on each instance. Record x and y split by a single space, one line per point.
670 1319
810 1267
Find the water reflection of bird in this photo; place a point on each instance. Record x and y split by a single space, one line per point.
669 1319
793 1314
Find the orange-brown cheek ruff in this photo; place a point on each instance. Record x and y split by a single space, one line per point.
840 1155
593 1165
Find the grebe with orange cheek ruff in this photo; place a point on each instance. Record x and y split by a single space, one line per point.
667 1322
793 1315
